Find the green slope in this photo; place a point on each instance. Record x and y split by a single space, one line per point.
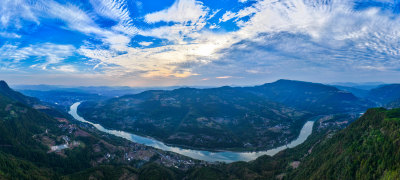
368 149
26 135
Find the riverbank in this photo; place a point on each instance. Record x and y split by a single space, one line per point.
223 156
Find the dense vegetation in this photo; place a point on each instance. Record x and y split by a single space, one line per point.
312 97
27 134
367 149
226 117
206 118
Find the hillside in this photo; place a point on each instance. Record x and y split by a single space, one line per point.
360 93
385 94
35 145
367 149
249 118
6 91
223 117
393 104
312 97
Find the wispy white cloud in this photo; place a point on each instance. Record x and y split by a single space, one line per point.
223 77
9 35
12 12
65 68
181 11
118 11
52 53
145 43
271 37
117 37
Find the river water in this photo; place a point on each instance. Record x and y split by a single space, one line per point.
222 156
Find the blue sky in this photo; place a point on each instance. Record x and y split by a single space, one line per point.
198 42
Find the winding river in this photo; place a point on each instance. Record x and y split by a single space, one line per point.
223 156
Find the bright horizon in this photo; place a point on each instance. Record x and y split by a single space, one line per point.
158 43
349 84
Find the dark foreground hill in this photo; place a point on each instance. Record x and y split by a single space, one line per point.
368 149
36 145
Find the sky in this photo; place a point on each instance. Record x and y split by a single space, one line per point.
198 42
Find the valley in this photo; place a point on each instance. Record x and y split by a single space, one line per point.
100 146
264 116
215 156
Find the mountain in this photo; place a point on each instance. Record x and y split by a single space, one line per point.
364 86
5 90
385 94
312 97
226 117
36 145
214 118
367 149
61 97
360 93
393 104
105 91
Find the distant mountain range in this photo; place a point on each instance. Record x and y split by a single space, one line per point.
364 86
106 91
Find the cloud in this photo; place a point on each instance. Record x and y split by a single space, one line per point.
262 39
65 68
145 43
189 17
13 12
313 33
117 37
223 77
118 11
9 35
149 62
181 11
52 53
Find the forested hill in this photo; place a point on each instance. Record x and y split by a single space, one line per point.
6 91
312 97
214 118
385 94
226 117
35 145
368 149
